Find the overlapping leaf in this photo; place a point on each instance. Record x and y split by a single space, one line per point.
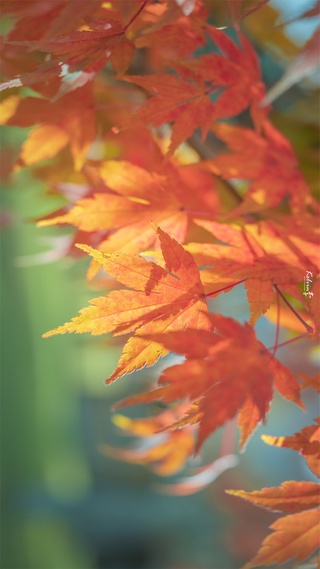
290 497
295 536
168 23
306 441
165 452
269 162
138 197
56 127
37 19
263 254
159 301
59 47
78 54
222 385
184 99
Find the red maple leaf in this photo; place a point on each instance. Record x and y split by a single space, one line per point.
78 55
186 100
269 162
220 383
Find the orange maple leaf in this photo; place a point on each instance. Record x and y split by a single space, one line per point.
291 496
306 441
165 452
269 162
161 300
57 128
137 197
295 536
262 254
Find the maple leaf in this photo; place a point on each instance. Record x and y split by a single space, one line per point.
295 536
260 295
268 253
249 418
186 101
164 452
163 36
269 162
88 50
220 383
138 197
34 21
306 441
290 497
78 55
160 301
57 128
310 381
37 19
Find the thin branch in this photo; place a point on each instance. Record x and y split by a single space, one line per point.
134 17
304 335
307 327
278 325
224 288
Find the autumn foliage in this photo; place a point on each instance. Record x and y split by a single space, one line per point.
157 133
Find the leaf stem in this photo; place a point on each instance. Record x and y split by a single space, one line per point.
275 347
289 341
134 17
207 153
224 288
307 327
193 212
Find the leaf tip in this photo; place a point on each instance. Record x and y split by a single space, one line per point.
231 492
50 333
269 440
85 248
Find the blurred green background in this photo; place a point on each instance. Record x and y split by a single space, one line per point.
64 505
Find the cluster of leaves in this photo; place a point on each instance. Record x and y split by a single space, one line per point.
116 99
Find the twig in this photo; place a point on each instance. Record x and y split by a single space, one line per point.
134 17
307 327
224 288
278 325
304 335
